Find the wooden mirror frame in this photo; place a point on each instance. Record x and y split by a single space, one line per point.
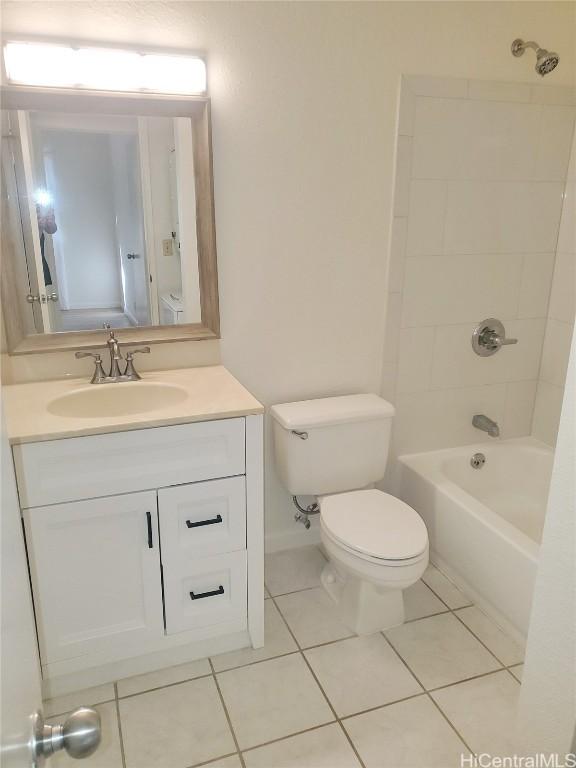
197 108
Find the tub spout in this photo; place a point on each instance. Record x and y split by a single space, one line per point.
486 425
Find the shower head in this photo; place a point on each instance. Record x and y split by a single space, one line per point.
546 61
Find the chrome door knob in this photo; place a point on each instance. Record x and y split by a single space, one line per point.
80 735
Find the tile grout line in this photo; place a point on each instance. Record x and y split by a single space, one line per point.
336 716
213 760
427 693
454 612
228 718
119 719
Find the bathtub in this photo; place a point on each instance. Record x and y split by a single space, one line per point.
485 525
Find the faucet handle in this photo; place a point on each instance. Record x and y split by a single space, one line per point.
96 356
130 372
139 350
99 376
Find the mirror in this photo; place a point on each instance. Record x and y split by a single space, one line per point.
110 221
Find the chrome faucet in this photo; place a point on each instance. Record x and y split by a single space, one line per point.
486 425
114 376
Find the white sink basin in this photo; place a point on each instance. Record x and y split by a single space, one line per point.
124 399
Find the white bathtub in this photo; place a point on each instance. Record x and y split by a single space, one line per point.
484 525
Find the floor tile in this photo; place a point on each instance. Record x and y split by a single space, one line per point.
162 677
233 761
502 646
518 672
277 641
293 569
440 650
410 734
483 711
85 698
444 588
273 699
325 747
175 727
313 617
420 601
108 754
360 673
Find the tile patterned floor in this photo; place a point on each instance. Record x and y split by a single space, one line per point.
318 696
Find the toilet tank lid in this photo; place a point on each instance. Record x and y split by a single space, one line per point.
326 411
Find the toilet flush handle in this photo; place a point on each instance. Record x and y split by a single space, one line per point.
301 435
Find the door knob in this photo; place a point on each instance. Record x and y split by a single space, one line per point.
52 296
80 736
31 298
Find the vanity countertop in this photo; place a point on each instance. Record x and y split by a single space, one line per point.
209 393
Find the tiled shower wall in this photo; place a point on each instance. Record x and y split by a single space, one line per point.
481 171
560 322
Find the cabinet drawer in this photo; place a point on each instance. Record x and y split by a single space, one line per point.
202 519
102 465
205 591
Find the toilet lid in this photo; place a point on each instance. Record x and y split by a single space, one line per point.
374 523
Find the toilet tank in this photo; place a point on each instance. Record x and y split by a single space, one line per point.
332 444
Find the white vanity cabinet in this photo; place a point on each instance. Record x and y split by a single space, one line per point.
145 547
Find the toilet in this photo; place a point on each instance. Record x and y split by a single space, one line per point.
335 449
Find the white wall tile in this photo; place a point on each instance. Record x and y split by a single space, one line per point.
463 139
554 143
553 94
535 285
416 346
458 289
426 218
493 90
443 418
502 217
397 254
567 233
519 408
455 364
441 87
547 411
556 352
402 184
563 294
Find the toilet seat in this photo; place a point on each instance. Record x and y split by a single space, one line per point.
375 526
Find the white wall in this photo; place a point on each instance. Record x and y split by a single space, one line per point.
480 173
83 205
560 322
304 105
547 712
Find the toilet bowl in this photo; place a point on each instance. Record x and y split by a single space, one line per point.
377 546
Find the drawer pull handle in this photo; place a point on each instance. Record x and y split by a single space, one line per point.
213 521
219 591
149 522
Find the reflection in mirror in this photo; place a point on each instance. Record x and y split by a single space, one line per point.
106 206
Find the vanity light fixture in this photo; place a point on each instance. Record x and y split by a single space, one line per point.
107 69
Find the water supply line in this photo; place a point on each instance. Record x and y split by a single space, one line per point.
303 512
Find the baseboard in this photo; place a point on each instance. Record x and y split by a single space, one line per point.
299 537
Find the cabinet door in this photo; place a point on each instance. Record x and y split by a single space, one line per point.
96 580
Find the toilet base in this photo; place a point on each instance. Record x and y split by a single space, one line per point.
364 607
